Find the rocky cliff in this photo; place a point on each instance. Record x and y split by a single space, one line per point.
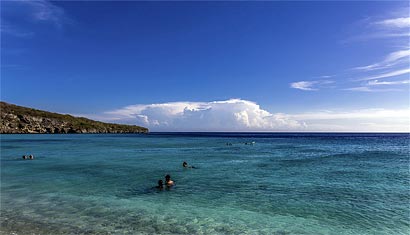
17 119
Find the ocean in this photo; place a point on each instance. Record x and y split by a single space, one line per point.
243 183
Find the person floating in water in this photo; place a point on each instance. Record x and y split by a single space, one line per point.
168 181
160 185
31 157
185 165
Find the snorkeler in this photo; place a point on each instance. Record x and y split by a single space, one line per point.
168 181
160 185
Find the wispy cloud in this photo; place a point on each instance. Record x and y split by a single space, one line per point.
377 83
244 115
12 66
402 22
326 76
394 25
368 89
394 64
367 120
46 11
310 85
386 75
20 19
397 63
7 28
303 85
376 113
394 58
360 88
22 14
393 29
381 35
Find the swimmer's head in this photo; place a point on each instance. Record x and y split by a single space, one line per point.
160 183
24 157
167 177
184 164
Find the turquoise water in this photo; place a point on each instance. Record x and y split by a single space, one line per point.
283 184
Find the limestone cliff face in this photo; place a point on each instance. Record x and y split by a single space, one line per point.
17 119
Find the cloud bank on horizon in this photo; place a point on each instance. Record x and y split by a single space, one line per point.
228 115
243 115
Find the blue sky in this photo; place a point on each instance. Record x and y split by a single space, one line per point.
261 66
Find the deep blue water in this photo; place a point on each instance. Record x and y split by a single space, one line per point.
285 183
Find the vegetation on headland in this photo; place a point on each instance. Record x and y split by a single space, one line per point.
18 119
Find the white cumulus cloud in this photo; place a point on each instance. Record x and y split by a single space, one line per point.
228 115
243 115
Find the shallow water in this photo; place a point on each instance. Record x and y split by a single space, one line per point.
283 184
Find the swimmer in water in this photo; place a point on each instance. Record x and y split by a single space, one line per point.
160 185
31 157
24 157
168 181
185 165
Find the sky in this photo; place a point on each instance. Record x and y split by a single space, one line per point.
310 66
